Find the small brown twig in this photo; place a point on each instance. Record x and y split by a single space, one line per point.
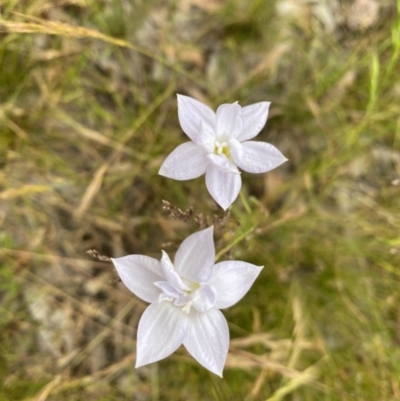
178 214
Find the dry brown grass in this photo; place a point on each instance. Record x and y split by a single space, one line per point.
88 113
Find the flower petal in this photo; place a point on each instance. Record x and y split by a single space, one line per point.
186 162
194 259
229 120
171 275
162 329
208 339
138 273
190 113
223 187
231 281
222 163
169 292
254 119
256 157
206 137
204 298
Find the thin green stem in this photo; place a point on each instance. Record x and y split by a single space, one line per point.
234 242
245 203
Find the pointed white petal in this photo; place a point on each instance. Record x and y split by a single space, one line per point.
254 119
208 340
164 297
204 298
223 187
231 281
186 162
229 120
190 113
256 157
206 138
169 291
162 329
138 273
170 273
223 163
194 259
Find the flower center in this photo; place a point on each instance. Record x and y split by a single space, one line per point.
179 296
184 299
222 148
182 292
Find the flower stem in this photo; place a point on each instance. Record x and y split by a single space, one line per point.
245 203
155 395
234 242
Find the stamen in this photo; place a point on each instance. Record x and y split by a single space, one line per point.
221 148
187 306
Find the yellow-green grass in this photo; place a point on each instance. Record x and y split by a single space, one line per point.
87 115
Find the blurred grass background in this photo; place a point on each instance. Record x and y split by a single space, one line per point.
87 115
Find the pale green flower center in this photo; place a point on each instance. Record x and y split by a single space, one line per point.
186 307
222 148
185 298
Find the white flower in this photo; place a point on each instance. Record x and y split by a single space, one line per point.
185 300
220 144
